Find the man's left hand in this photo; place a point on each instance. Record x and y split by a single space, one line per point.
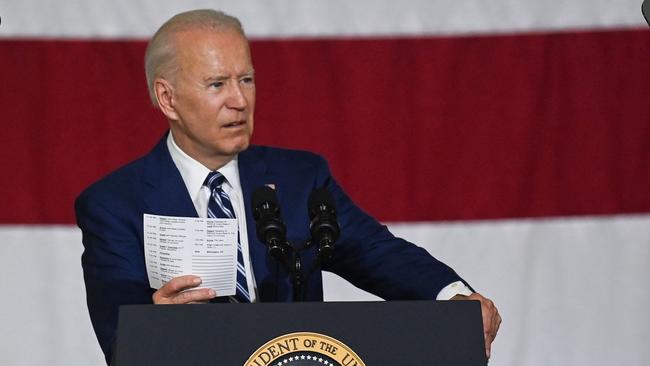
491 318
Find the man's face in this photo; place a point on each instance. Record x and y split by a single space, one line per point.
213 95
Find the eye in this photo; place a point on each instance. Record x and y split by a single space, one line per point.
217 84
248 80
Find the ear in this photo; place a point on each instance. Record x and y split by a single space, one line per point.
164 92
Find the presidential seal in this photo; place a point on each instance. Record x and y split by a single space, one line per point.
304 349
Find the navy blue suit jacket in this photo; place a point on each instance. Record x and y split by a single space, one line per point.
110 214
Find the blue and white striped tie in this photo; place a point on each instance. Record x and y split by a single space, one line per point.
219 206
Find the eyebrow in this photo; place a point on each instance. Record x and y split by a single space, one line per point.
215 78
225 77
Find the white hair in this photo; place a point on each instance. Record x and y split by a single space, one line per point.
160 56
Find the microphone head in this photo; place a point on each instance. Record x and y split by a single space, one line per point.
320 197
264 195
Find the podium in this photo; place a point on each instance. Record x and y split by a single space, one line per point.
300 334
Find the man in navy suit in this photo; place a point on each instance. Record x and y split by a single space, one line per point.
201 77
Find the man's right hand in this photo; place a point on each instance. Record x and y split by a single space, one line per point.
177 291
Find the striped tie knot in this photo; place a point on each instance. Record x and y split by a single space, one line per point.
214 180
219 205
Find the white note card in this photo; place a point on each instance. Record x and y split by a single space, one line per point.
175 246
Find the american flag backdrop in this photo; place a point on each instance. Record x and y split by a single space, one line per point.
509 138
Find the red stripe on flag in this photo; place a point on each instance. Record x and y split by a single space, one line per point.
415 129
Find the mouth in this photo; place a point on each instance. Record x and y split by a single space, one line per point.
235 124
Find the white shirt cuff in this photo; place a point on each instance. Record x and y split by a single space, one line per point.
453 289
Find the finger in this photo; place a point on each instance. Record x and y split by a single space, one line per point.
499 322
496 324
488 343
189 296
178 284
488 336
495 320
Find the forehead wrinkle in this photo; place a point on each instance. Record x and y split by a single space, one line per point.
212 55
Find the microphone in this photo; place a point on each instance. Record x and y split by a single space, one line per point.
323 224
268 221
645 9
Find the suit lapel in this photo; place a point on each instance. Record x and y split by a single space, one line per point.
165 193
254 173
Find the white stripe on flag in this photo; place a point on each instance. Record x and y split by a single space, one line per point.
574 286
285 18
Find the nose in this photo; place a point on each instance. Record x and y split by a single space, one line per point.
236 98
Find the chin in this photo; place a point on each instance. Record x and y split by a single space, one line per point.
239 147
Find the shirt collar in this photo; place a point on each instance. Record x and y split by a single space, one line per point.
194 173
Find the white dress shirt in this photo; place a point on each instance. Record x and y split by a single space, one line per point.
194 174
